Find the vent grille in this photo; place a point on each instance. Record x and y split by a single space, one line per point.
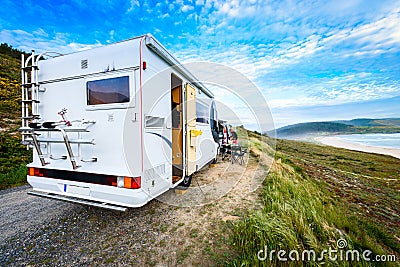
84 64
155 172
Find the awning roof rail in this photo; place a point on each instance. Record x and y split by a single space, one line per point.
160 50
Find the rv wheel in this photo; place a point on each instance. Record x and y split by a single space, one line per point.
186 181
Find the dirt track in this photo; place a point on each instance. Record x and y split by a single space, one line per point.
21 212
37 231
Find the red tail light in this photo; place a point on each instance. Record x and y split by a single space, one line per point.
36 172
118 181
132 182
111 180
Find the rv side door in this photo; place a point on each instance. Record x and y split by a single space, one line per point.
190 128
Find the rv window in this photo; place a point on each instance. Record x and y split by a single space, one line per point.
213 112
202 113
107 91
154 121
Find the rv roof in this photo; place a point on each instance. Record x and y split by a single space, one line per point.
160 50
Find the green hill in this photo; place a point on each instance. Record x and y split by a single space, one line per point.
372 122
8 50
10 91
313 127
315 195
13 156
391 125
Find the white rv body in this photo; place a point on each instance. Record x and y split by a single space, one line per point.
111 140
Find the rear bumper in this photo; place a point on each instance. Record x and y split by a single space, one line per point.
86 193
77 200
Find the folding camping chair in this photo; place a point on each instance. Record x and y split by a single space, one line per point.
225 151
237 154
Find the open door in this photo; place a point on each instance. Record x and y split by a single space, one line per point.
190 132
177 128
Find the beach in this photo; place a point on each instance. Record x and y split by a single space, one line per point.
336 142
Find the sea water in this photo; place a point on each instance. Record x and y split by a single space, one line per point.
379 140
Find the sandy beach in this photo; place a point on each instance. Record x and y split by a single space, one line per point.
336 142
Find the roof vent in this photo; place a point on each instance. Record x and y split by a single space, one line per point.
84 64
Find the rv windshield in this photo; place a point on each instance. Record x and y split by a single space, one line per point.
108 91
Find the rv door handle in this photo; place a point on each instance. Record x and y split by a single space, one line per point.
134 117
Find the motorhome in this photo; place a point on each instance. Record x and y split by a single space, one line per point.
115 126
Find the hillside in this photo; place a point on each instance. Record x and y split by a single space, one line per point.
10 88
312 127
10 92
372 122
314 195
355 126
13 156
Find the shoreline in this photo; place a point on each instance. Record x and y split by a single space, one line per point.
336 142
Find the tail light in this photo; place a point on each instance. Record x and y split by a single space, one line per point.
129 182
36 172
118 181
111 180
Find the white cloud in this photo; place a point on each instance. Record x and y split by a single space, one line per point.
186 8
373 38
339 90
316 45
133 6
40 41
41 32
262 38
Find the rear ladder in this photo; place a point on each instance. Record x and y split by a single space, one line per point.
31 125
30 94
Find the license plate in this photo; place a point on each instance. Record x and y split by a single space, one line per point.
78 190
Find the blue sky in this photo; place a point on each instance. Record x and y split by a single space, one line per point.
312 60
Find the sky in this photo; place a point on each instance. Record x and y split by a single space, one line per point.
312 60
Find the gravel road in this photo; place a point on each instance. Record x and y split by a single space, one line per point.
17 206
42 232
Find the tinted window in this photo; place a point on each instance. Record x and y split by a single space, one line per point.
202 113
151 121
107 91
213 117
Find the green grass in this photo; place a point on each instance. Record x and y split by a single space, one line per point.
256 143
373 165
10 92
13 158
15 177
315 195
294 217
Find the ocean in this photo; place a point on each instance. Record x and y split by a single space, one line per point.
379 140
